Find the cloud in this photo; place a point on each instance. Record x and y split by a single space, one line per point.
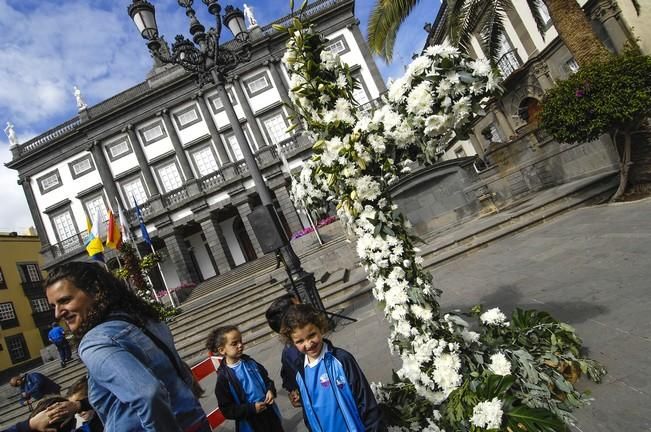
14 215
49 46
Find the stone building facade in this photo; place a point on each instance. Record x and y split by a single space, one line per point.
520 157
167 145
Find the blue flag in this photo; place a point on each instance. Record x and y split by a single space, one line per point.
141 221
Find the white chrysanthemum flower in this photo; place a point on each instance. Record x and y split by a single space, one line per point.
494 317
419 101
488 414
397 90
500 365
481 67
435 124
418 66
446 372
422 313
367 188
470 336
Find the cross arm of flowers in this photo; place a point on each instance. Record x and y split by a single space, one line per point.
452 377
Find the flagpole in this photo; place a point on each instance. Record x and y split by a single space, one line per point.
163 277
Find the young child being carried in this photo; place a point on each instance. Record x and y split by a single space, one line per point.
244 391
334 392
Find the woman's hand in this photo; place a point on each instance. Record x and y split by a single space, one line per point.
40 422
63 410
259 407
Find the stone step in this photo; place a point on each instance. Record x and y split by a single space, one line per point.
455 243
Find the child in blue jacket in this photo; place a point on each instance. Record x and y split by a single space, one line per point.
334 392
244 391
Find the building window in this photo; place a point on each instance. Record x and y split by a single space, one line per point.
40 304
169 176
3 284
257 84
360 94
276 128
338 45
187 117
544 13
217 104
17 348
508 59
235 148
94 205
31 272
152 133
134 190
81 166
49 182
64 226
118 149
204 161
8 315
571 66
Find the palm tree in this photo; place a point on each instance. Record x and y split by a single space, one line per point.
463 17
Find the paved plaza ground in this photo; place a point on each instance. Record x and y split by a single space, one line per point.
590 267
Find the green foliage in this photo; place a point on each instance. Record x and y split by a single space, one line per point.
609 97
135 271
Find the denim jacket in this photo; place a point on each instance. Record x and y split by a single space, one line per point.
132 385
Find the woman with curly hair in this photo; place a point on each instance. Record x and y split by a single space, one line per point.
136 379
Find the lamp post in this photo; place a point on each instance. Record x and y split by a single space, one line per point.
210 62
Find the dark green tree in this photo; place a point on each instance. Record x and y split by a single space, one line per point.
612 97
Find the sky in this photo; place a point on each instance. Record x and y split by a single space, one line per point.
49 46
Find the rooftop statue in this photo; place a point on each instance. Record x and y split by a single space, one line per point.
248 15
80 102
11 134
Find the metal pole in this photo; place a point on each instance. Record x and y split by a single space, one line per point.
162 277
303 280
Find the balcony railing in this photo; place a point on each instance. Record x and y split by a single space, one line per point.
33 289
211 181
70 245
43 319
175 196
509 63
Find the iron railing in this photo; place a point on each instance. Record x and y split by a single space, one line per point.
509 63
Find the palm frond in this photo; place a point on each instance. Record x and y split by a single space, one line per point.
636 5
534 6
383 25
471 15
492 27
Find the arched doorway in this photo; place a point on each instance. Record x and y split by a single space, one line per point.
243 240
529 110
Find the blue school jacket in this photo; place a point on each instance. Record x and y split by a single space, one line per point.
338 361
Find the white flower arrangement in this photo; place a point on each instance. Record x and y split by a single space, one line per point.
356 158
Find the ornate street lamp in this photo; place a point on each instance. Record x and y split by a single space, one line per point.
210 62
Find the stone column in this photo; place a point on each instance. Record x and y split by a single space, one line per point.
33 209
244 209
180 256
105 173
276 77
368 58
212 128
288 209
608 13
217 244
250 117
178 147
142 161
